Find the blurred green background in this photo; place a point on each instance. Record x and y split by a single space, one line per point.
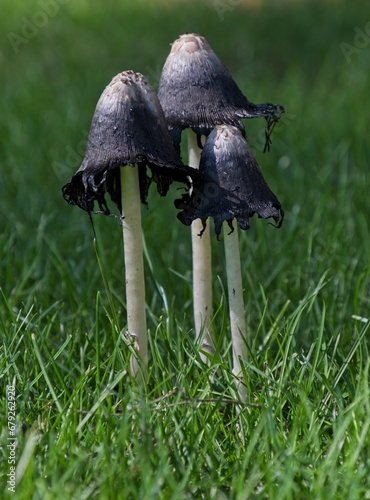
56 58
313 57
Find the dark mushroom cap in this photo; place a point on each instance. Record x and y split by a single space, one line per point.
232 185
197 91
128 127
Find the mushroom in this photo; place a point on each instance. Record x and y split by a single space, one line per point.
231 187
197 92
128 134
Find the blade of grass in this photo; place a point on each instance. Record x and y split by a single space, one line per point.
46 377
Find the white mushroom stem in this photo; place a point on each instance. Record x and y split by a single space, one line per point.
202 269
134 268
236 304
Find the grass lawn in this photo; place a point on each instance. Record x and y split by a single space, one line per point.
83 428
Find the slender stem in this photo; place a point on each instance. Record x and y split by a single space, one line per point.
236 302
134 266
202 269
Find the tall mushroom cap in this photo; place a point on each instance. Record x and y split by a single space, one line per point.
128 127
231 185
197 91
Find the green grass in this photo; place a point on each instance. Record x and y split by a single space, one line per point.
84 428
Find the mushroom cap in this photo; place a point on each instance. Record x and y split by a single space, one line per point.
128 127
197 91
231 185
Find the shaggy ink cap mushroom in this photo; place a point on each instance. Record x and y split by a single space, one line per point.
128 127
231 185
197 91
